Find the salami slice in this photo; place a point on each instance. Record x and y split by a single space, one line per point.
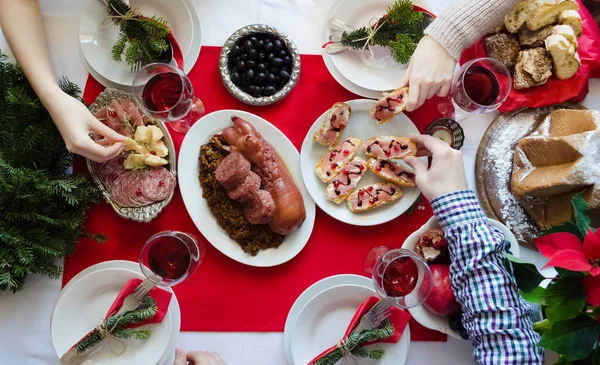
157 183
110 171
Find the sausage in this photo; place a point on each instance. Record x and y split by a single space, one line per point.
290 212
260 209
232 171
246 190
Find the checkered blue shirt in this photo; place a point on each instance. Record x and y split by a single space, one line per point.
494 314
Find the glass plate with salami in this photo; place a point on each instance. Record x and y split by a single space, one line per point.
141 181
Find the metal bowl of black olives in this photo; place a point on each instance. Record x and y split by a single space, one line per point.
259 65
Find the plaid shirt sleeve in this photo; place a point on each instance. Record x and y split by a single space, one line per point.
494 314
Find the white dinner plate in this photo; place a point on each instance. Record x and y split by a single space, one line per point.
188 170
329 59
360 126
83 303
422 314
96 43
324 319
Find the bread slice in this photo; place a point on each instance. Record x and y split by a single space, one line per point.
344 184
504 48
533 39
518 16
385 147
390 105
373 196
334 161
564 57
393 172
567 32
534 68
334 123
571 18
548 12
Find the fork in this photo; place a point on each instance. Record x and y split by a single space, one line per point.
375 316
133 300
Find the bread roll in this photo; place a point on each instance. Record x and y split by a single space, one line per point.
572 18
564 56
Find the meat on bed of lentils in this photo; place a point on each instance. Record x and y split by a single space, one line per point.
260 64
229 213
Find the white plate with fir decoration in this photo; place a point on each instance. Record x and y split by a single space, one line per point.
324 319
375 69
83 303
97 35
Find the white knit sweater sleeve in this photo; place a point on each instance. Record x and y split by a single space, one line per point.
465 21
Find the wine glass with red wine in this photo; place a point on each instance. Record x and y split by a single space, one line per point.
480 86
399 275
170 257
164 92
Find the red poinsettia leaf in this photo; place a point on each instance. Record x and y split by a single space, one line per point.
570 260
591 246
594 271
550 244
592 288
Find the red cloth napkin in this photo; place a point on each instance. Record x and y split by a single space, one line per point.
399 319
555 91
177 54
160 296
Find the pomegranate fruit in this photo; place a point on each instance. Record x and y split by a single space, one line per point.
441 301
433 247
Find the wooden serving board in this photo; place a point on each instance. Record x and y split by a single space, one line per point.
493 169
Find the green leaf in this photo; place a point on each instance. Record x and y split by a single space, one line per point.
573 338
536 296
562 361
565 227
580 208
565 299
412 207
526 275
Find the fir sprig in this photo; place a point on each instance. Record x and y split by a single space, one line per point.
400 29
116 326
357 343
42 205
141 40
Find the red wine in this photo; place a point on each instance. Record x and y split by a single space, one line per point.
167 91
400 277
481 85
169 257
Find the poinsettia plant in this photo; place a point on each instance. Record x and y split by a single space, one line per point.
571 301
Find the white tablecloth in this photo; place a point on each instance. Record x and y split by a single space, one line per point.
25 317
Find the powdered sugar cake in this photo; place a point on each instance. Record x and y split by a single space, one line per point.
494 166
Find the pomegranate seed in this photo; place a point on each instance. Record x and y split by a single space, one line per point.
370 188
332 154
336 183
378 168
161 183
346 152
346 172
388 152
333 118
396 148
361 192
153 153
371 201
333 165
112 113
392 108
361 167
379 108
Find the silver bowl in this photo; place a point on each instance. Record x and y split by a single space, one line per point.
239 93
147 212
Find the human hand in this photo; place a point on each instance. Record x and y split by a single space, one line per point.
447 171
429 72
197 358
74 122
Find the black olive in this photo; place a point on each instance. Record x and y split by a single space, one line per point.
244 57
270 57
251 64
268 47
282 53
277 62
247 45
287 60
252 39
236 78
249 75
284 76
259 44
253 55
278 44
261 78
274 71
271 79
240 66
261 67
269 90
262 56
236 51
256 91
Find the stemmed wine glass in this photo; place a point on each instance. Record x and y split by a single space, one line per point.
399 275
480 86
170 257
164 92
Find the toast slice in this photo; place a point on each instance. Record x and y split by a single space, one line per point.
387 147
373 196
517 17
533 39
571 18
390 105
567 32
334 123
338 190
393 172
548 13
564 57
334 161
534 68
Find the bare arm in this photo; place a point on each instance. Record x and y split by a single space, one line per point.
23 27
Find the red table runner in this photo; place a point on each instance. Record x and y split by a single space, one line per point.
224 295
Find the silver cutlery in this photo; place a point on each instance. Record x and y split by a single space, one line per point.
133 300
375 316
